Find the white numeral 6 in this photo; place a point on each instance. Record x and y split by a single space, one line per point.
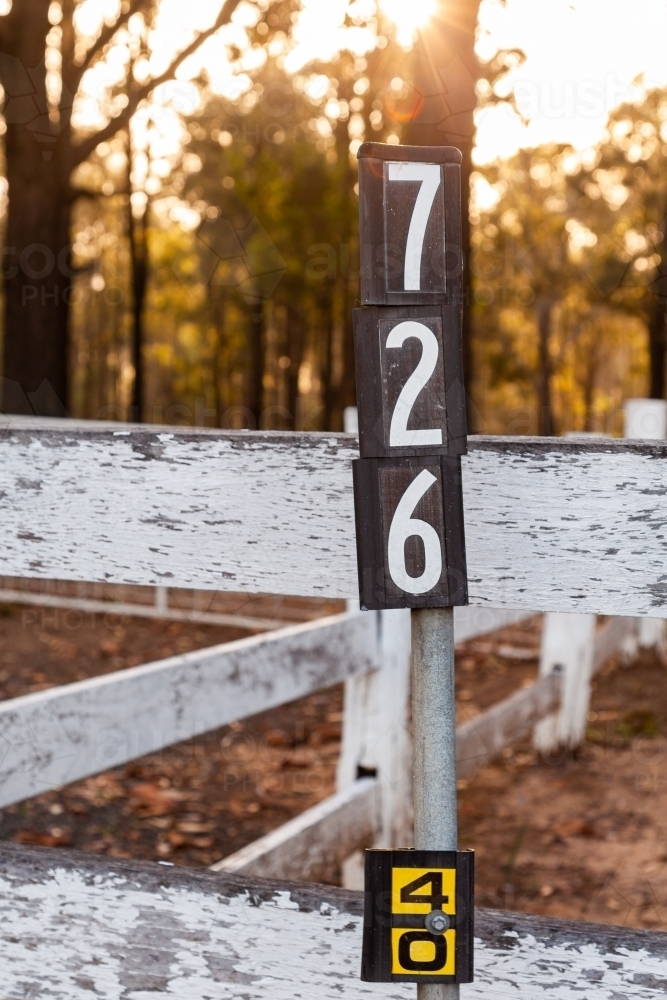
403 526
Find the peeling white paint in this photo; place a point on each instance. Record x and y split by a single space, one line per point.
70 937
57 736
551 524
533 968
225 511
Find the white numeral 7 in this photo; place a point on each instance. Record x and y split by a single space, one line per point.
429 175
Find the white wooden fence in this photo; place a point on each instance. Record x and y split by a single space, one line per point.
80 927
136 505
552 525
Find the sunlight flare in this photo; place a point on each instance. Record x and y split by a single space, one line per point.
408 16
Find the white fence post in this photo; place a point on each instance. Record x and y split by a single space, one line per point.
647 419
161 600
376 739
651 634
567 642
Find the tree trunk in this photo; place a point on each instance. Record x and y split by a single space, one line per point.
138 238
545 422
348 387
37 288
256 356
349 283
216 313
296 341
590 366
589 390
657 344
328 388
36 254
445 72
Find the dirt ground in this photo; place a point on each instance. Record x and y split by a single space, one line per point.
580 836
192 803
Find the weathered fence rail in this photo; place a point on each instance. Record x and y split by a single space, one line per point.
57 736
65 733
552 524
77 927
507 722
314 844
91 606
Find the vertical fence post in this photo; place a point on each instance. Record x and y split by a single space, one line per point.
376 738
161 600
647 419
567 642
434 740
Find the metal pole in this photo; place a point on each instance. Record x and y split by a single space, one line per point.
434 736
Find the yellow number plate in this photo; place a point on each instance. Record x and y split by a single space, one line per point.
407 893
417 953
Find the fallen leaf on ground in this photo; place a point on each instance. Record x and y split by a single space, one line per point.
574 828
56 838
109 647
194 827
152 800
203 842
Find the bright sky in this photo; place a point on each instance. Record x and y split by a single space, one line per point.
582 56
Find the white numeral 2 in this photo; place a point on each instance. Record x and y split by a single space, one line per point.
403 526
429 175
399 435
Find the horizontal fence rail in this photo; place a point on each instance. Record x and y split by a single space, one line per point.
57 736
551 524
312 845
90 605
65 733
80 927
507 722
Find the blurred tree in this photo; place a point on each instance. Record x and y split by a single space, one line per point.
42 149
534 205
627 184
137 231
46 154
285 154
444 74
555 299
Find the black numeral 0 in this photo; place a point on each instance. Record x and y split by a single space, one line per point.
406 960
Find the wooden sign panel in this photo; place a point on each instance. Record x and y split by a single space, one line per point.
409 527
418 917
410 224
409 369
411 401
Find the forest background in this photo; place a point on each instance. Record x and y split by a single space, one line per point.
208 268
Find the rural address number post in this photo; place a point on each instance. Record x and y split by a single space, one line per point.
418 916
